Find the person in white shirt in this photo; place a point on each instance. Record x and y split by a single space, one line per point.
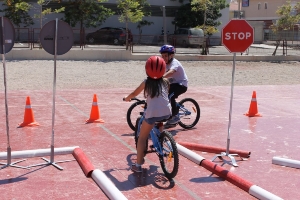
177 77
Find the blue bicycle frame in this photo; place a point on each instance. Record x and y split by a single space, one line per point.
154 134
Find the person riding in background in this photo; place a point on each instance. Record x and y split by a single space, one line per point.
158 106
177 78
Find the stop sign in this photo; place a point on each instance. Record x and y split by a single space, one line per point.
237 35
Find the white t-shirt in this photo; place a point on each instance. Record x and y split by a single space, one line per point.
179 76
159 106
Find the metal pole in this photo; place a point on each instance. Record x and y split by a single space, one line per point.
240 9
230 108
6 107
51 161
229 124
165 31
5 94
54 92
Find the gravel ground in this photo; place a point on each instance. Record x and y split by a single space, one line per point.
38 74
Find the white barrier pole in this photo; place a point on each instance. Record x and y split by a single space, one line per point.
262 194
286 162
37 153
107 186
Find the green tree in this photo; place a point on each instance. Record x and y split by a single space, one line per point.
286 21
140 25
17 12
195 13
202 14
132 11
44 12
88 13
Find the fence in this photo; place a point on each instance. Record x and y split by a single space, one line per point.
29 38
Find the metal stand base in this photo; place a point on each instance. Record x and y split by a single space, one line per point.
48 162
231 156
9 163
13 165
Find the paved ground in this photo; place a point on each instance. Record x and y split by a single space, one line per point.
110 146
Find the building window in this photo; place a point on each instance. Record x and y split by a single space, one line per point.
258 6
266 5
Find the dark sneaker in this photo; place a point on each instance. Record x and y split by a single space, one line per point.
174 120
136 169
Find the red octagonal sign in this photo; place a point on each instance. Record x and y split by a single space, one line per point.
237 35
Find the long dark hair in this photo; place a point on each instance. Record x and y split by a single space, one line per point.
153 87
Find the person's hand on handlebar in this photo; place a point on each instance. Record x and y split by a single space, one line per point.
126 99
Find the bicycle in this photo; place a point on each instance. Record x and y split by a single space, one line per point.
189 112
163 144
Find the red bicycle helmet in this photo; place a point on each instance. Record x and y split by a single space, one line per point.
155 67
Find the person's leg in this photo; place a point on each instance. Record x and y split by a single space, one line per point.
177 89
144 133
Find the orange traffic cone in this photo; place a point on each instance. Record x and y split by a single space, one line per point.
253 111
28 115
95 115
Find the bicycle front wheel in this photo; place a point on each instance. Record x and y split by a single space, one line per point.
169 161
134 111
189 113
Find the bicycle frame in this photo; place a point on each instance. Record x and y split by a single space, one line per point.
186 111
154 134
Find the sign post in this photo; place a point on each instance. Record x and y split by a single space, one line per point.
7 38
237 36
57 39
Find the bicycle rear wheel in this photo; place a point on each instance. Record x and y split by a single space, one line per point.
169 161
133 112
136 135
189 113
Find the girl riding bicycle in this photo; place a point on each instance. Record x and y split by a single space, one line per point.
158 106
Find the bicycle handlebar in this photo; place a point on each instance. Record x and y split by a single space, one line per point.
136 99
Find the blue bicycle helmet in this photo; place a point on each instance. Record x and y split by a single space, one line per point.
167 49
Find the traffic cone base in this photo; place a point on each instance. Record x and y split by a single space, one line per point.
94 121
95 114
253 111
253 115
30 124
28 115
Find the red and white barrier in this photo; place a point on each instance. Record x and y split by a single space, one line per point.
85 164
227 175
212 149
98 176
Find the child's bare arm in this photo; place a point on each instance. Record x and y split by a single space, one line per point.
136 92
